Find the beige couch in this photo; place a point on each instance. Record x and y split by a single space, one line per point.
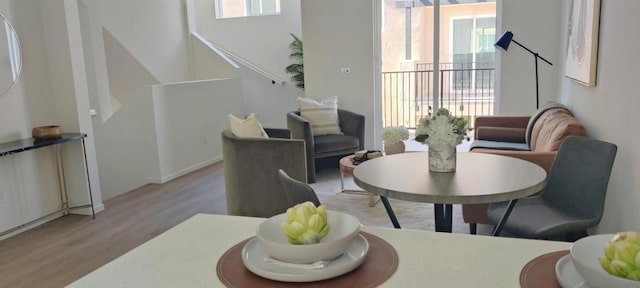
536 139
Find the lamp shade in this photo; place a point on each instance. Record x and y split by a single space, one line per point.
504 40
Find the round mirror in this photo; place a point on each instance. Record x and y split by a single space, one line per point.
10 60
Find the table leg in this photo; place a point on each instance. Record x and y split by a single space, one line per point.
448 217
372 198
498 229
392 216
86 167
442 214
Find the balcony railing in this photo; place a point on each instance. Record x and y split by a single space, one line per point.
466 89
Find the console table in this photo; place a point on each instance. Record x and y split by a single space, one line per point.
27 144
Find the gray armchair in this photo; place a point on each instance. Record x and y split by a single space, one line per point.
573 199
323 146
251 165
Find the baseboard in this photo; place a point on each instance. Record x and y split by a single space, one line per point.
167 178
87 211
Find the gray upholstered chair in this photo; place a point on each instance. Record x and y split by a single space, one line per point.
318 147
573 199
297 191
251 169
535 139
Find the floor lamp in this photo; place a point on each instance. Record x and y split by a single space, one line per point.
503 42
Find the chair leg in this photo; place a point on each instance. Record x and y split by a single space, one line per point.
473 228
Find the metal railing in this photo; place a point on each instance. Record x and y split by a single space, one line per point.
466 89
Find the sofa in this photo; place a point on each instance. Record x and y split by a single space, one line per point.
534 138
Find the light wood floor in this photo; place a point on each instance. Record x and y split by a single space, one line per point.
59 252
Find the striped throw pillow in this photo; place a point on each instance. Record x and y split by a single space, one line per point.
322 115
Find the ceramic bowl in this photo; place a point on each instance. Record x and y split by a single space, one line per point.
585 253
343 230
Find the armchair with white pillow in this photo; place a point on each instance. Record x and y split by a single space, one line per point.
326 130
252 157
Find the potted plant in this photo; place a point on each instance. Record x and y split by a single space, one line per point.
393 137
442 133
297 68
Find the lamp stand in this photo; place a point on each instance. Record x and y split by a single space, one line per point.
537 96
536 56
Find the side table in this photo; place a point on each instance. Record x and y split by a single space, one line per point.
346 168
22 145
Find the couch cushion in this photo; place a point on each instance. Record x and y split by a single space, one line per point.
552 128
322 115
498 145
330 145
534 118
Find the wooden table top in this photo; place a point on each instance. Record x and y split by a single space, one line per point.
479 178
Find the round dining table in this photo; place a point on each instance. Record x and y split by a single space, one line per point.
478 178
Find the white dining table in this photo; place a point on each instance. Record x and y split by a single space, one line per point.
186 256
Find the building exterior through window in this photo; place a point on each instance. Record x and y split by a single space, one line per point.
465 70
246 8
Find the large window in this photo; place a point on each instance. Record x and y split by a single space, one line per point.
244 8
472 45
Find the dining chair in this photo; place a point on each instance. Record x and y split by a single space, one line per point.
573 199
297 192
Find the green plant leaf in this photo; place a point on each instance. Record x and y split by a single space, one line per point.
297 68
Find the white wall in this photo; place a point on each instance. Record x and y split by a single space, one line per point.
536 25
189 119
126 145
154 31
340 34
50 90
607 110
610 109
264 42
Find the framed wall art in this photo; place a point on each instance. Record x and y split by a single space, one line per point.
582 41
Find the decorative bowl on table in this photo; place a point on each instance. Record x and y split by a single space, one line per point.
585 253
46 132
344 229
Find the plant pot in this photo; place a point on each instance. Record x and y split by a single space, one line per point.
394 148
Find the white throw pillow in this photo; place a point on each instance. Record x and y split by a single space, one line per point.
247 128
322 115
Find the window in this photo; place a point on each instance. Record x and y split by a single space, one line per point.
472 45
245 8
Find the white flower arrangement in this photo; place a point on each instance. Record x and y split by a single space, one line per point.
393 135
442 130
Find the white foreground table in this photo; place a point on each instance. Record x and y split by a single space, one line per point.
187 254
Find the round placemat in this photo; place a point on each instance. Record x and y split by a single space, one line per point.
380 264
541 271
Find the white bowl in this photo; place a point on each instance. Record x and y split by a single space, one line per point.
343 230
585 253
